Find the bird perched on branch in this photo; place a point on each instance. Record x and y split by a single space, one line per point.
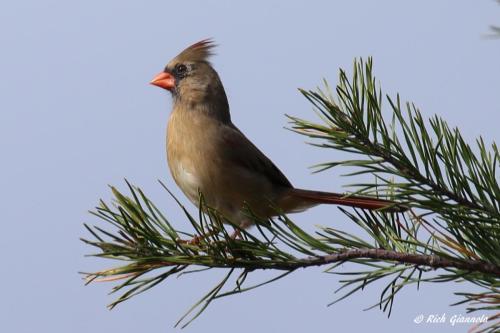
207 153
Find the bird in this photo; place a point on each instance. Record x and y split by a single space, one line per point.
208 154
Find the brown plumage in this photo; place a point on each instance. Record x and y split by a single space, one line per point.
208 153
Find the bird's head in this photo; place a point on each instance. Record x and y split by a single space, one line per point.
190 77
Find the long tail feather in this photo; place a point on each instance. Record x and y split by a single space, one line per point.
299 199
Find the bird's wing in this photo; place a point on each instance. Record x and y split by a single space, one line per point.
239 150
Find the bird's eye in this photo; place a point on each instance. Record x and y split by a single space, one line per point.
180 69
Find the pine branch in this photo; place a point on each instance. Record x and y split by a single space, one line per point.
432 261
148 242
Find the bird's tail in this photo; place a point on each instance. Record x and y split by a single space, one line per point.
298 199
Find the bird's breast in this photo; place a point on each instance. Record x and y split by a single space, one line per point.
191 152
186 179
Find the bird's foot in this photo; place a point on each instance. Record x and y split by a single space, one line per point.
193 241
236 234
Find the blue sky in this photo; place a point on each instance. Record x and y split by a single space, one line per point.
77 113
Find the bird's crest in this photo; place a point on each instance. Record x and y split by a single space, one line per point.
199 51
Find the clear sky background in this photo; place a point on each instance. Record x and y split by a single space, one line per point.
77 113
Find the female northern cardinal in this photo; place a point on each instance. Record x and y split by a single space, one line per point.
208 153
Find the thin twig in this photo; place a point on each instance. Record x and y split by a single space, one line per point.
433 261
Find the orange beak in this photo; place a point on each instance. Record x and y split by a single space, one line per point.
164 80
